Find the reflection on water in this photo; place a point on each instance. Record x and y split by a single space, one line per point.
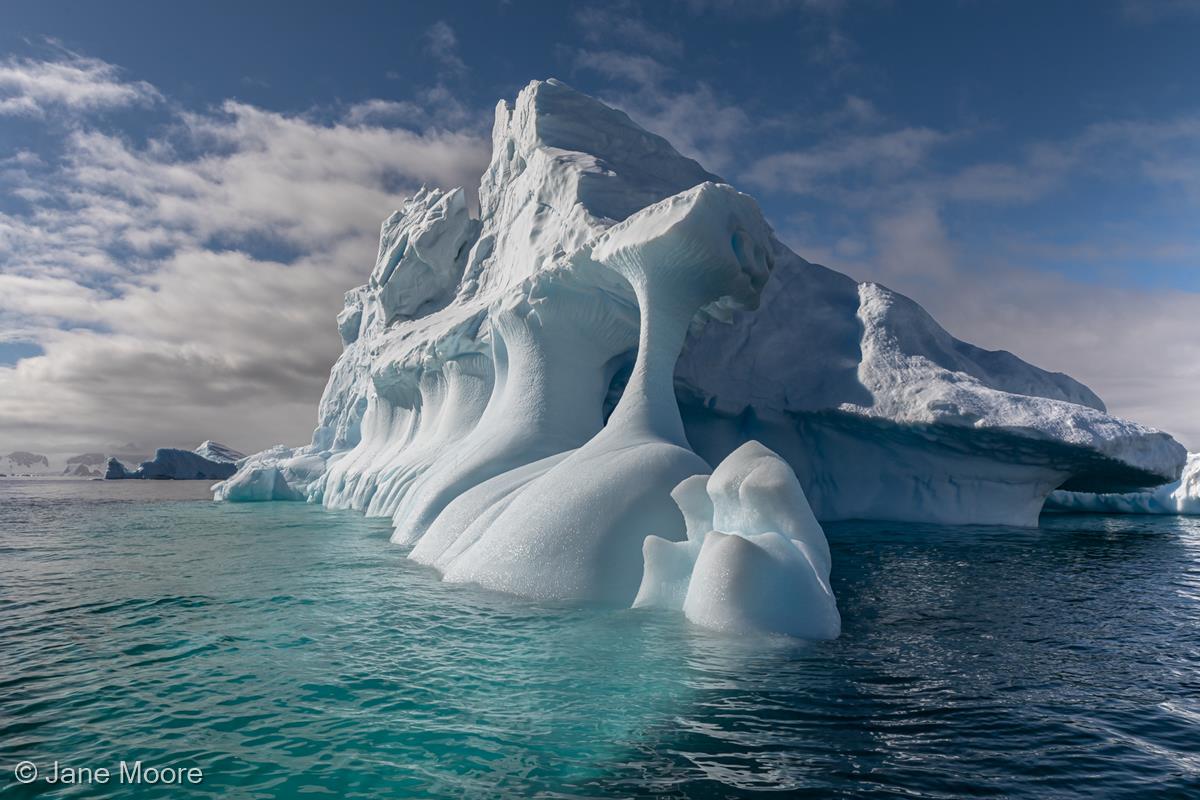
288 650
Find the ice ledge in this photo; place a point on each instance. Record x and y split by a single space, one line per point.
1179 497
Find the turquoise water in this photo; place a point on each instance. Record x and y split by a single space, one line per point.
287 652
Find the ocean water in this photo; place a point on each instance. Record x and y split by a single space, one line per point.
289 652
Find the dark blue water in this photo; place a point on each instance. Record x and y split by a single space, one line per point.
291 652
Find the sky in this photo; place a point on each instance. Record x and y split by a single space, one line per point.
187 190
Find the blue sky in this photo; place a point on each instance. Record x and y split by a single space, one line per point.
178 181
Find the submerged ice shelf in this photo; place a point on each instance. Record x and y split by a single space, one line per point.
522 392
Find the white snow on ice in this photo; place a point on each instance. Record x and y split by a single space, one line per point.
215 451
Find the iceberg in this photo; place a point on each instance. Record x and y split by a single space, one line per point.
1178 497
215 451
280 473
522 392
755 558
210 461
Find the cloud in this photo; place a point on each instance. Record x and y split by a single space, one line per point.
263 175
433 107
640 70
834 50
441 42
881 155
913 242
377 110
887 167
623 26
47 298
30 87
691 115
1151 11
696 121
185 288
860 110
821 39
768 7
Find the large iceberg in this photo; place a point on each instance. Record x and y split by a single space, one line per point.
521 392
1178 497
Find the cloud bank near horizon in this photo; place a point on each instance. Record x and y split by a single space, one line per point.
185 287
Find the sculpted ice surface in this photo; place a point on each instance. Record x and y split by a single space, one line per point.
576 530
522 392
755 557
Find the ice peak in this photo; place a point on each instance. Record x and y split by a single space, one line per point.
630 167
215 451
564 168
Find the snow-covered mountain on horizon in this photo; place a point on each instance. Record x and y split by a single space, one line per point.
22 462
93 463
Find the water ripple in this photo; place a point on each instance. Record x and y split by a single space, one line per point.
289 651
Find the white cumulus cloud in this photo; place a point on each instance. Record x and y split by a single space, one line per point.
185 287
30 87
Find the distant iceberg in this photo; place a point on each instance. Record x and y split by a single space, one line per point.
210 461
1179 497
527 388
